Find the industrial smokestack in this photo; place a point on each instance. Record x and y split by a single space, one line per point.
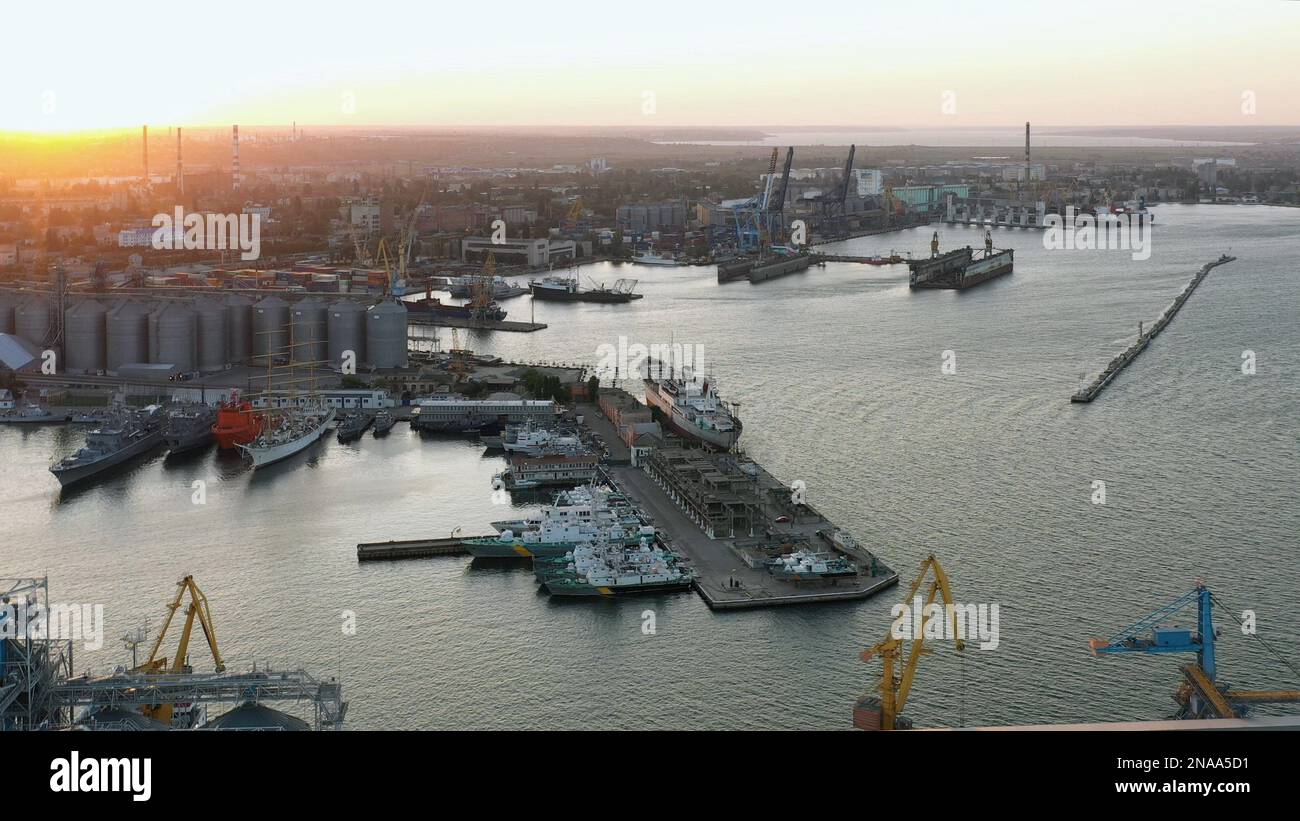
144 144
180 166
1026 153
235 162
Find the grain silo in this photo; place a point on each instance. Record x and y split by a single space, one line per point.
128 334
154 308
345 325
308 331
211 318
270 330
239 324
178 334
84 332
386 335
7 303
32 319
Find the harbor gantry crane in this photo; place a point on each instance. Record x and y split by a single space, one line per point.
156 664
1200 695
885 713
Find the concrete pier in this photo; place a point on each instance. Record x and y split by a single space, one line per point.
414 548
1119 363
728 577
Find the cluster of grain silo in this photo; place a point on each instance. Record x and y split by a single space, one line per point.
386 335
213 331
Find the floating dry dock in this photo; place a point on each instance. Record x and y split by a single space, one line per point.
728 517
480 324
757 270
960 269
1119 363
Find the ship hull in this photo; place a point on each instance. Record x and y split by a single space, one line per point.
264 456
81 473
184 443
718 440
559 295
518 550
596 591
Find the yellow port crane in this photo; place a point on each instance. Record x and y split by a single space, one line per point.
885 713
156 664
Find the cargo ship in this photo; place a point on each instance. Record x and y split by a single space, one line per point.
692 408
567 289
431 307
189 428
237 423
128 435
962 268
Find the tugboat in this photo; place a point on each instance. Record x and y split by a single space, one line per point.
384 422
189 428
128 435
237 424
352 427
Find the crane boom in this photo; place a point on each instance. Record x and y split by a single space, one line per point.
895 687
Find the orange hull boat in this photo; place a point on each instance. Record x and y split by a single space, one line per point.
237 424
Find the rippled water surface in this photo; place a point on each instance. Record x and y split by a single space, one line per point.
838 373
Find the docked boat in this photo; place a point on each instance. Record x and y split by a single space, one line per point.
430 307
291 432
502 288
237 423
692 408
531 439
130 433
189 428
567 289
31 414
808 564
653 258
353 426
605 569
384 422
559 467
559 528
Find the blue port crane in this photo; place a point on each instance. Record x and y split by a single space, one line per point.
1201 695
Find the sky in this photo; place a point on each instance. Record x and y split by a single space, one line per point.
95 65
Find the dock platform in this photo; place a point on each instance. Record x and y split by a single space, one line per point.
478 324
413 548
726 580
1093 389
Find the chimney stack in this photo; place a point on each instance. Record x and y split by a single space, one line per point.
144 143
235 163
180 167
1026 153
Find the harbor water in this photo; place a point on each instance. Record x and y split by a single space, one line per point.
839 374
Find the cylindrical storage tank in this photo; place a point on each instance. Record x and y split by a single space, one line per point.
211 317
386 335
84 327
128 335
154 310
345 325
308 331
178 334
7 304
239 328
270 330
32 319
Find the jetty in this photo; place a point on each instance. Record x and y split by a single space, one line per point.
1094 388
